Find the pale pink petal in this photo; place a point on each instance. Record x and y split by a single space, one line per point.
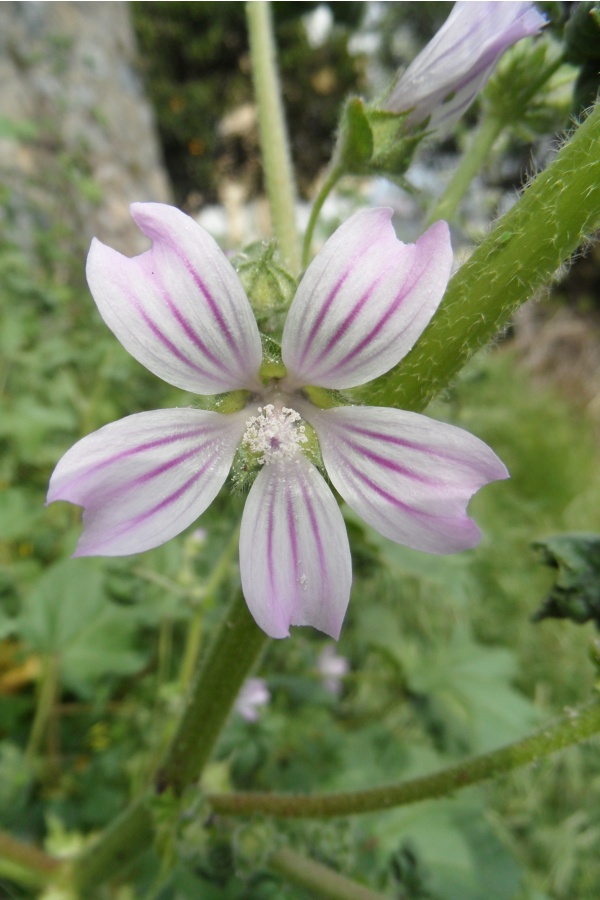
143 479
408 476
444 79
363 302
294 554
179 308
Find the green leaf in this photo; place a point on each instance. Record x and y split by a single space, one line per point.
469 695
68 614
575 594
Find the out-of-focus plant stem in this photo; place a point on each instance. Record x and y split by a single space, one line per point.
470 164
332 178
194 634
321 880
25 864
279 176
46 698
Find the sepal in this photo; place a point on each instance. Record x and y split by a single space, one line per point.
373 141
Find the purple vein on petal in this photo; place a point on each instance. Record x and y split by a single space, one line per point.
140 448
394 501
386 315
322 313
292 532
308 503
326 305
186 326
270 534
213 306
162 337
163 504
402 442
390 464
347 322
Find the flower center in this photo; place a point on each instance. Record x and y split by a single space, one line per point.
274 434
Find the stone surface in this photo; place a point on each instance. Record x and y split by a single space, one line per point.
77 135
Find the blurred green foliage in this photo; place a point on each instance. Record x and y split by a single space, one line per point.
444 660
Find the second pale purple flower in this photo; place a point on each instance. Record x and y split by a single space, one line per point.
180 310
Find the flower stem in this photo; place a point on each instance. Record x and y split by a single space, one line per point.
333 176
279 176
46 698
318 878
28 865
555 214
577 726
192 646
235 650
469 166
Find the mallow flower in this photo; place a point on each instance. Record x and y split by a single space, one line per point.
180 310
254 693
444 79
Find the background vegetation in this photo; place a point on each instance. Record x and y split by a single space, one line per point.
444 659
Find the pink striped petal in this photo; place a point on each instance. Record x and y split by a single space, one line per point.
294 554
179 308
363 302
408 476
143 479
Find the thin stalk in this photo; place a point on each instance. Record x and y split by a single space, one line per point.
577 726
319 879
234 652
481 146
470 164
24 863
194 635
46 697
333 176
279 176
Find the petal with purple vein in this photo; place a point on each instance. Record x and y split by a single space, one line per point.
294 554
408 476
363 302
144 479
179 308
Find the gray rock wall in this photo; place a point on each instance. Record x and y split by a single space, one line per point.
77 135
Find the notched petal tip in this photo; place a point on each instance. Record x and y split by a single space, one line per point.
144 479
294 554
410 477
178 308
363 302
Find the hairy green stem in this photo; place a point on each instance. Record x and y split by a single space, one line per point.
555 214
333 176
319 879
470 164
279 176
235 650
577 725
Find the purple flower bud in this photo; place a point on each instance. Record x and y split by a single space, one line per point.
253 694
444 79
332 668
